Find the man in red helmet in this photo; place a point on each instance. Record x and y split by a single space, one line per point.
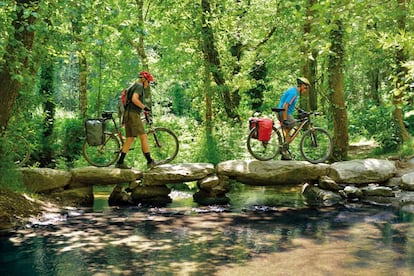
139 99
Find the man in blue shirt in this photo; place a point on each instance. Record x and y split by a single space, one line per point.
288 103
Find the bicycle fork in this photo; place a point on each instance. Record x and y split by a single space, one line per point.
157 141
314 142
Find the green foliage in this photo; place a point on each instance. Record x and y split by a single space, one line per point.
407 149
69 136
107 33
225 143
231 140
188 132
409 123
376 122
209 151
9 177
181 103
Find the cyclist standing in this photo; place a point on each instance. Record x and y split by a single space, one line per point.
139 99
288 103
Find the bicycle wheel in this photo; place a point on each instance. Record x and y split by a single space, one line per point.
316 145
264 150
103 155
163 144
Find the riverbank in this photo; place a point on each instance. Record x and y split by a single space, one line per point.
17 209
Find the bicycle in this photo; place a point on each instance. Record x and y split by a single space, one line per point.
163 143
315 146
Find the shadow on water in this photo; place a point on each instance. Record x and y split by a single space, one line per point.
265 231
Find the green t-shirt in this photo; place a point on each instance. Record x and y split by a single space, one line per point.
144 96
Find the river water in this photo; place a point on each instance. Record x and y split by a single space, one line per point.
265 231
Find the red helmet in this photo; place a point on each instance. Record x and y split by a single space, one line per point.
146 75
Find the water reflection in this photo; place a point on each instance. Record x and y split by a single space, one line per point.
265 231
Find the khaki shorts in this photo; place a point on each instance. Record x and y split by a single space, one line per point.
133 124
290 120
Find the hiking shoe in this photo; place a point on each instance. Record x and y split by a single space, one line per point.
151 165
122 166
286 155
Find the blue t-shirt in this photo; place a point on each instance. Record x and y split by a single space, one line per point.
290 96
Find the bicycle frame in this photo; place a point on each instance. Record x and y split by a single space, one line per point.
164 142
306 120
107 116
151 130
299 128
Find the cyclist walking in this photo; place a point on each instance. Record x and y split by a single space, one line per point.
288 103
139 99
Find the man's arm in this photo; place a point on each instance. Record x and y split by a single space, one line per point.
285 111
137 101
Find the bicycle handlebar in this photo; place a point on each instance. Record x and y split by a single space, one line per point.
300 110
275 109
308 113
107 114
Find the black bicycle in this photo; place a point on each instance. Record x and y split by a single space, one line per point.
163 143
315 146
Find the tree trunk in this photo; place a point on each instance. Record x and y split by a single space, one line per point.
258 73
83 90
82 70
208 102
401 72
212 57
16 56
47 90
340 119
313 95
374 83
140 47
309 101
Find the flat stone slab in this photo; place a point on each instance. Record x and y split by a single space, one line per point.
267 173
407 182
40 180
177 173
104 176
362 171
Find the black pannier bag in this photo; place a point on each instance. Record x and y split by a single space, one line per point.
95 129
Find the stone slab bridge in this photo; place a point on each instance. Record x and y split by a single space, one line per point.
324 182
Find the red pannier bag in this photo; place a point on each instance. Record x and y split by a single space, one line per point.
265 129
